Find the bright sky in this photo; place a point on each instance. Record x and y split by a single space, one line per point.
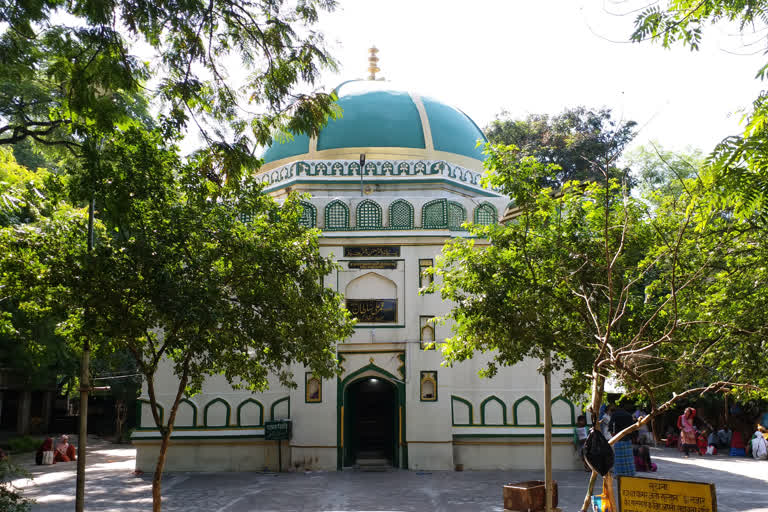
543 56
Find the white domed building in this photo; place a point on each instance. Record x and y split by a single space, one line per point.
384 223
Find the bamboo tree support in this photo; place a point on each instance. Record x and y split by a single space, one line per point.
548 432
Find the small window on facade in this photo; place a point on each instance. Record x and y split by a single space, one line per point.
427 333
308 215
456 216
428 387
336 216
485 214
425 278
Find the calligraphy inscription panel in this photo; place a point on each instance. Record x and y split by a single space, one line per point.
650 495
386 264
375 311
378 251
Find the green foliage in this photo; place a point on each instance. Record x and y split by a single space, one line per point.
66 70
579 141
23 444
661 292
10 499
740 160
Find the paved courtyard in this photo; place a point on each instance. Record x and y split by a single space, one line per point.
742 485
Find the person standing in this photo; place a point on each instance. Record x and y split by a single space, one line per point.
688 431
624 458
606 420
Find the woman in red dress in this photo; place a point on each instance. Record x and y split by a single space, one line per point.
65 452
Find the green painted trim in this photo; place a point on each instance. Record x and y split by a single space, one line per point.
250 427
272 408
261 412
477 190
510 435
526 398
194 411
341 385
401 368
469 405
326 235
421 379
307 377
215 400
561 398
257 436
162 410
503 410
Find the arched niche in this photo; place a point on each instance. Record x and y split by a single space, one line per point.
493 411
336 216
368 215
563 412
216 413
371 286
186 414
401 215
457 215
281 409
308 217
434 214
146 418
250 413
485 214
526 412
461 411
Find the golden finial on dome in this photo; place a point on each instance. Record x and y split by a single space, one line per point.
373 68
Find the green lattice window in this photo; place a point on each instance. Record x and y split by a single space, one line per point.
485 214
308 215
246 217
456 216
368 215
401 215
336 216
434 214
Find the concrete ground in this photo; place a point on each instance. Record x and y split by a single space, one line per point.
742 485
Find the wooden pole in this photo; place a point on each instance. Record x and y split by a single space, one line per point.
84 389
548 432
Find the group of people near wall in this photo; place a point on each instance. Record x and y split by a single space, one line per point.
63 451
698 436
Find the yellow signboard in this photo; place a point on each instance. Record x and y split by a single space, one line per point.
651 495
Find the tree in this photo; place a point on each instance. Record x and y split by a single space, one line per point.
72 68
740 161
574 140
209 279
652 293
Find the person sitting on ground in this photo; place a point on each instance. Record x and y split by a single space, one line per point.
579 437
724 437
643 459
65 452
759 446
701 442
688 431
47 446
672 437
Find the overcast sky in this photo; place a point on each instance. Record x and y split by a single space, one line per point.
542 56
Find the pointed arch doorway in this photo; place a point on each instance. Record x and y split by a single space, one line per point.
371 418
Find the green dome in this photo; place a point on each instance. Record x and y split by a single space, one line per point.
377 116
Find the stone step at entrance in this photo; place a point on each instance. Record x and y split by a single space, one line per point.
372 461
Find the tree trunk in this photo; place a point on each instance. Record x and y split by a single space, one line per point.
157 480
598 384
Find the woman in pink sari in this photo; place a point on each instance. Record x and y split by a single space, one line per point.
65 452
688 431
